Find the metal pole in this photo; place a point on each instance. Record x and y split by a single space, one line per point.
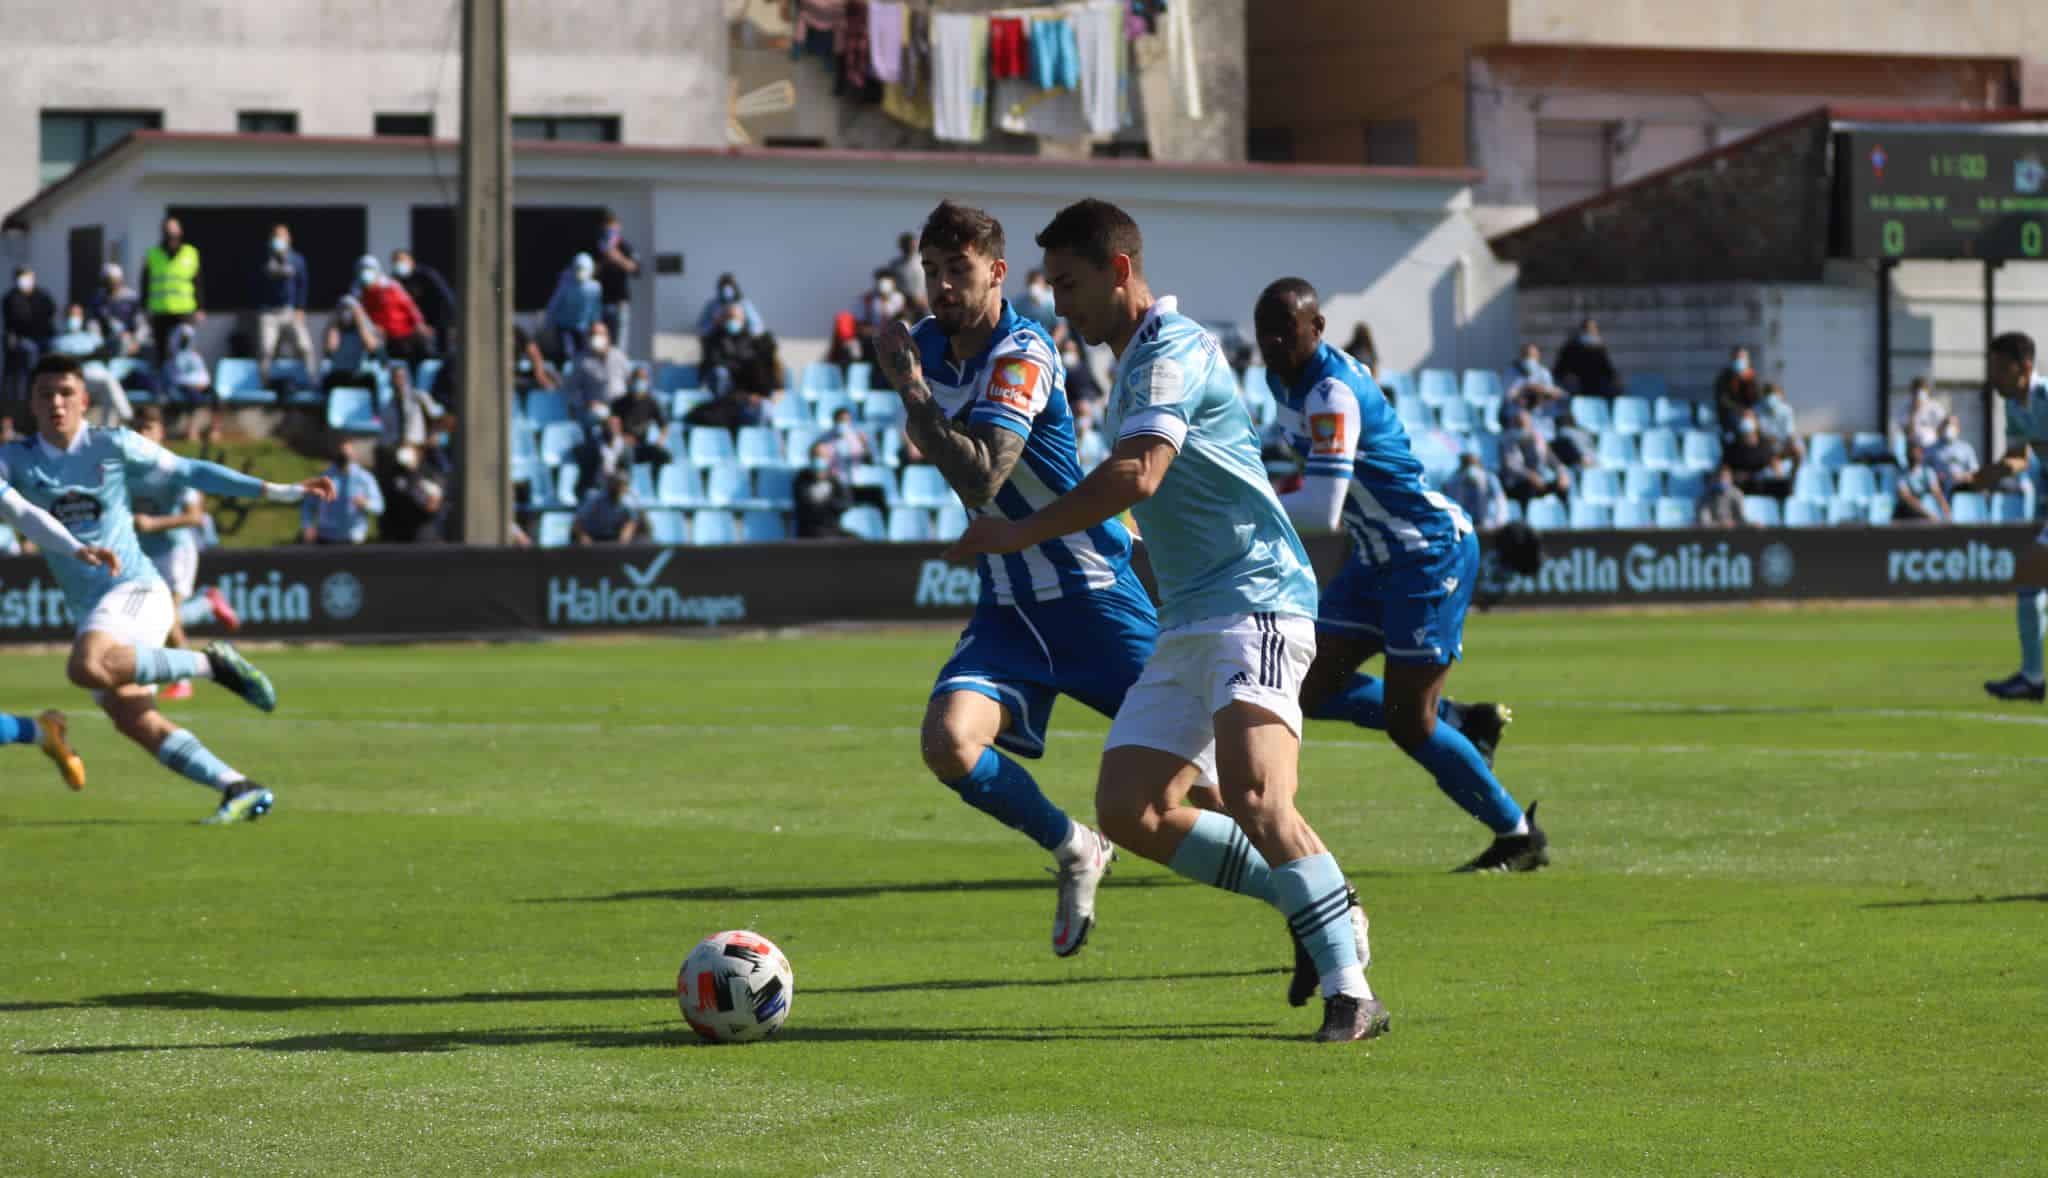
484 245
1994 421
1884 346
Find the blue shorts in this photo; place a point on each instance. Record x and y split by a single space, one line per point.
1417 612
1091 646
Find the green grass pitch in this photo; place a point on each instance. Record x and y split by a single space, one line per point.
1798 923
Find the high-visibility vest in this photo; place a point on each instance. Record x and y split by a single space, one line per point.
171 290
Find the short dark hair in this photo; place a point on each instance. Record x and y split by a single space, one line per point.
2016 346
148 415
57 364
958 228
1297 289
1097 230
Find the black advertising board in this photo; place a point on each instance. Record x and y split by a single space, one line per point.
454 592
1903 192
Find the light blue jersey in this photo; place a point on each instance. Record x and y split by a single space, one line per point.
161 495
2027 425
1016 382
1340 423
1221 544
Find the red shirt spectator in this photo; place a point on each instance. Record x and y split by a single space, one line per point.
396 316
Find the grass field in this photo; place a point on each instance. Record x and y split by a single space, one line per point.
1798 923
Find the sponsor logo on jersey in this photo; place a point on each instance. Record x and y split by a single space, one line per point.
1326 433
1012 384
76 510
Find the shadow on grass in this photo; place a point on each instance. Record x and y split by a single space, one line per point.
854 891
2030 898
283 1003
430 1042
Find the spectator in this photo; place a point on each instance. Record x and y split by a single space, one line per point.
908 267
1759 470
281 302
415 494
1479 491
77 335
578 302
617 266
880 305
608 514
722 352
1925 415
1953 459
118 310
821 496
1089 446
1083 388
849 446
844 351
530 369
1775 420
1528 468
345 519
412 416
1921 499
1735 391
1531 387
351 346
399 322
728 295
172 286
430 292
1037 302
1361 347
1720 504
608 450
644 416
188 383
597 376
1583 365
29 317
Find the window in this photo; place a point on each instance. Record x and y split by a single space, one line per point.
418 125
1270 145
71 137
568 128
1392 143
544 238
267 122
235 240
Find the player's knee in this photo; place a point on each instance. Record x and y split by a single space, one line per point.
1124 815
949 753
1410 727
87 669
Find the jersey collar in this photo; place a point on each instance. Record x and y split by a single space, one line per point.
1006 326
1161 306
44 447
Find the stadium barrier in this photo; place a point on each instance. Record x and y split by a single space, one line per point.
452 592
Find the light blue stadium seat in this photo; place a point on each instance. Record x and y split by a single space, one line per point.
1641 484
1259 402
758 446
1969 507
678 486
1630 415
924 486
544 407
1881 509
567 476
1844 509
820 377
525 442
1674 512
1486 413
1438 452
892 448
1700 450
1650 386
826 404
1598 485
122 368
353 411
790 411
1414 414
775 487
1671 414
665 526
1813 482
428 376
1515 513
1851 482
1763 511
1255 380
1591 413
676 378
1703 416
2013 507
762 527
1487 446
1436 385
724 484
952 520
684 402
1869 447
238 380
1456 417
291 373
796 444
860 377
881 408
864 522
1478 385
1660 449
556 529
868 475
1801 512
1402 384
1887 478
910 525
1547 514
1634 514
558 440
710 445
1688 485
1827 450
713 527
642 482
1617 449
1587 516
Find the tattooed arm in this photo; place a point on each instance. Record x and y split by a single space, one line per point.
976 458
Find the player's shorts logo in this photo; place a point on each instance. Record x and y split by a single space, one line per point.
1012 384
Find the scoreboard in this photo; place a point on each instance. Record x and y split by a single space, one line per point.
1903 192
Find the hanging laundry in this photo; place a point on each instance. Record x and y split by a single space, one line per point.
816 15
1020 107
853 49
1055 62
917 59
888 20
1005 47
1099 39
959 76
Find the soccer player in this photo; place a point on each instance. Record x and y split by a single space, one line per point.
168 517
48 731
1219 697
1413 565
81 475
984 394
2025 392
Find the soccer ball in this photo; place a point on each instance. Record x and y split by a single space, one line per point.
735 987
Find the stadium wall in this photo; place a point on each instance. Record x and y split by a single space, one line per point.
450 592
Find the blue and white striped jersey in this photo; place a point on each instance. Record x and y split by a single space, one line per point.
1337 419
86 489
1017 383
1221 544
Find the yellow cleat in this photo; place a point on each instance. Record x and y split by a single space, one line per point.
55 747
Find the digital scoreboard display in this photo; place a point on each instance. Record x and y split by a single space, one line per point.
1908 193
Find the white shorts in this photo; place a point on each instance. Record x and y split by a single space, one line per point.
137 613
1199 669
179 568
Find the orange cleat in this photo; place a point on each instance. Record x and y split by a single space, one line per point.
182 689
223 612
55 747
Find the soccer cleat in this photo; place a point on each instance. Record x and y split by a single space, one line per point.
52 726
222 612
182 689
1347 1019
1515 852
1078 880
1484 725
1302 986
2018 687
244 801
240 676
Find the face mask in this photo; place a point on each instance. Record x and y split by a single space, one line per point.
402 269
821 465
1589 339
1040 290
885 285
74 324
1742 365
728 292
367 277
278 245
25 284
733 326
442 439
639 387
1528 367
1950 435
843 428
600 346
